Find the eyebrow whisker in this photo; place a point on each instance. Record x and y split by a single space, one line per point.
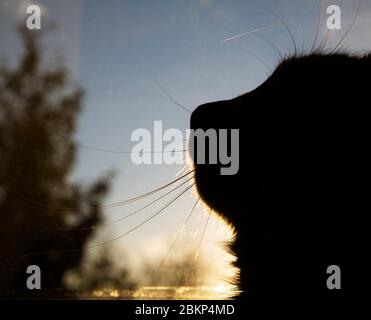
318 22
169 97
350 27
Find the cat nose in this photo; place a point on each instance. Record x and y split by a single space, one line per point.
213 115
203 118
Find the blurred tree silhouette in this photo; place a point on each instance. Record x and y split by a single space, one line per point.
38 114
100 273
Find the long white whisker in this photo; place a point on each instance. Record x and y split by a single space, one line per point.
120 236
202 238
251 32
179 233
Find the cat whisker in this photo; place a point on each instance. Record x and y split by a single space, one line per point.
271 44
179 234
41 206
260 59
324 42
169 97
287 28
124 217
350 27
120 236
185 167
318 22
145 221
202 237
303 37
250 32
126 152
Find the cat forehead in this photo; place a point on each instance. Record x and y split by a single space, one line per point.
314 61
316 68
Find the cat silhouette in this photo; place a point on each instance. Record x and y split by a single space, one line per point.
300 201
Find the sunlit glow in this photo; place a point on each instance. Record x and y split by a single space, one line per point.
198 266
165 292
225 234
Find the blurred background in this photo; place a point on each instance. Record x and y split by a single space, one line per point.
72 93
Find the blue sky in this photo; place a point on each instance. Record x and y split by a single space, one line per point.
119 50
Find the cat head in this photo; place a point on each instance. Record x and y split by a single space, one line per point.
304 136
